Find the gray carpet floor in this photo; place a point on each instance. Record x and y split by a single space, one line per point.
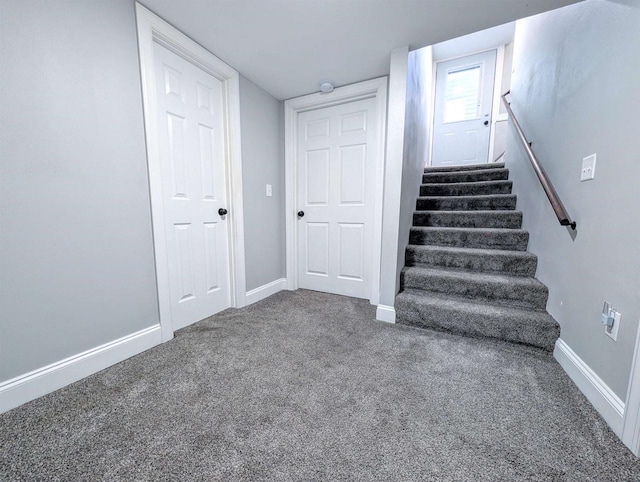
307 386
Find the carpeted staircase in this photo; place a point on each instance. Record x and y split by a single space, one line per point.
467 267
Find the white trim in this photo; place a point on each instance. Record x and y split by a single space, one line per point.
152 28
45 380
264 291
386 313
495 110
432 108
376 88
607 403
631 430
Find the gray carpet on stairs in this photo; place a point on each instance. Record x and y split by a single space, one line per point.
467 269
307 386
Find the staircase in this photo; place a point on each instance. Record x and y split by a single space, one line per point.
467 269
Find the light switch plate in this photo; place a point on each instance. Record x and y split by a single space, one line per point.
588 168
269 190
613 334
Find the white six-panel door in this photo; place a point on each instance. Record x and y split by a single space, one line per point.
190 125
335 191
463 106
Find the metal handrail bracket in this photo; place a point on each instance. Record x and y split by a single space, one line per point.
552 194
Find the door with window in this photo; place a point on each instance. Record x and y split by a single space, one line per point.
336 149
463 105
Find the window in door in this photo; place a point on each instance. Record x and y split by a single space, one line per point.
462 94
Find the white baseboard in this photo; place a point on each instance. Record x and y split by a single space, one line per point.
607 403
386 313
47 379
265 291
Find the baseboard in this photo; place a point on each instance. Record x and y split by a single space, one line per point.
265 291
386 313
45 380
607 403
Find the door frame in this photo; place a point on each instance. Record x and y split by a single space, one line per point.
631 423
152 28
495 105
375 88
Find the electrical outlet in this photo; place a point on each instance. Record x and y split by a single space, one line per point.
588 168
612 331
269 191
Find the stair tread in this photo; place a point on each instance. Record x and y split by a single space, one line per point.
473 251
476 188
477 318
479 212
466 176
471 196
498 218
478 202
470 183
479 260
470 167
454 229
462 304
477 276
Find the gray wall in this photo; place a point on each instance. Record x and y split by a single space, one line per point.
262 123
76 256
576 92
416 142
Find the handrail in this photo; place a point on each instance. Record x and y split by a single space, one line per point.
552 195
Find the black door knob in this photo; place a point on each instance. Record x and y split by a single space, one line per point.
222 211
486 123
300 214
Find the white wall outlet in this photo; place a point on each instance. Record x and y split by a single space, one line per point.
588 168
612 331
269 190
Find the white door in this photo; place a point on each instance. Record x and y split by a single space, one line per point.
192 146
463 103
336 176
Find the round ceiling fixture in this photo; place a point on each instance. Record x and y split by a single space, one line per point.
326 87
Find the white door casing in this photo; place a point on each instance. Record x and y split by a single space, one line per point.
151 31
190 129
463 108
350 231
335 192
631 423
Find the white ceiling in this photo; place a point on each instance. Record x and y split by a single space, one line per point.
475 42
288 47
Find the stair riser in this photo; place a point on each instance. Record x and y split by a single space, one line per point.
516 241
466 176
453 219
494 165
466 204
515 265
497 293
477 325
466 189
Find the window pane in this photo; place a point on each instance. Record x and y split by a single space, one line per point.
462 94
